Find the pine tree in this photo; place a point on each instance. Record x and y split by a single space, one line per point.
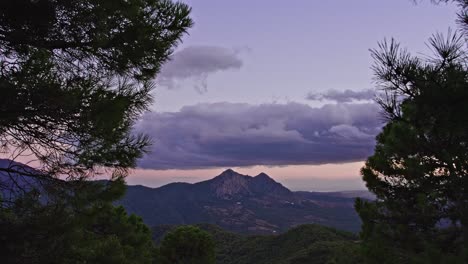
419 168
74 77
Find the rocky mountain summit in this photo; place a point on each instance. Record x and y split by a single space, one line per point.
231 185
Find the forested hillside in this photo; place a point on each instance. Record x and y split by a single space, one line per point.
306 244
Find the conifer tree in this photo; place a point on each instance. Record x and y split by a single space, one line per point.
74 77
419 169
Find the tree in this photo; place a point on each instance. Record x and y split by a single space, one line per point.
187 244
420 164
74 77
98 233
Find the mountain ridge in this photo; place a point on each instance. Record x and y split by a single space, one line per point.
240 203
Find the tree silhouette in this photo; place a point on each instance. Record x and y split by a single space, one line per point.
74 77
419 167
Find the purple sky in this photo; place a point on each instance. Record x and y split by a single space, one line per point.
283 87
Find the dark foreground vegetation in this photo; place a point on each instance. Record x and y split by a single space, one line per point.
306 244
76 74
74 77
419 169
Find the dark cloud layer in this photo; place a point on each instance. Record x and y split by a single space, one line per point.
229 134
345 96
196 63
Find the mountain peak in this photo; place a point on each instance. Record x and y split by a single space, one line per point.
262 183
228 172
263 175
264 179
230 184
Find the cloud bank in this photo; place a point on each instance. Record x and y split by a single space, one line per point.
195 64
232 135
345 96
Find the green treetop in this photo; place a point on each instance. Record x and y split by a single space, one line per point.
187 244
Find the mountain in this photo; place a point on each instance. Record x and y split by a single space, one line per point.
240 203
15 179
232 185
305 244
235 202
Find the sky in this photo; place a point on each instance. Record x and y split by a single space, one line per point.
281 87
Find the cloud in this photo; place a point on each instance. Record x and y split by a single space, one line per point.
345 96
348 132
195 64
233 135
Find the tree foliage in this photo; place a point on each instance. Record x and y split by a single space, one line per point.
91 230
187 244
419 168
304 244
74 77
76 74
